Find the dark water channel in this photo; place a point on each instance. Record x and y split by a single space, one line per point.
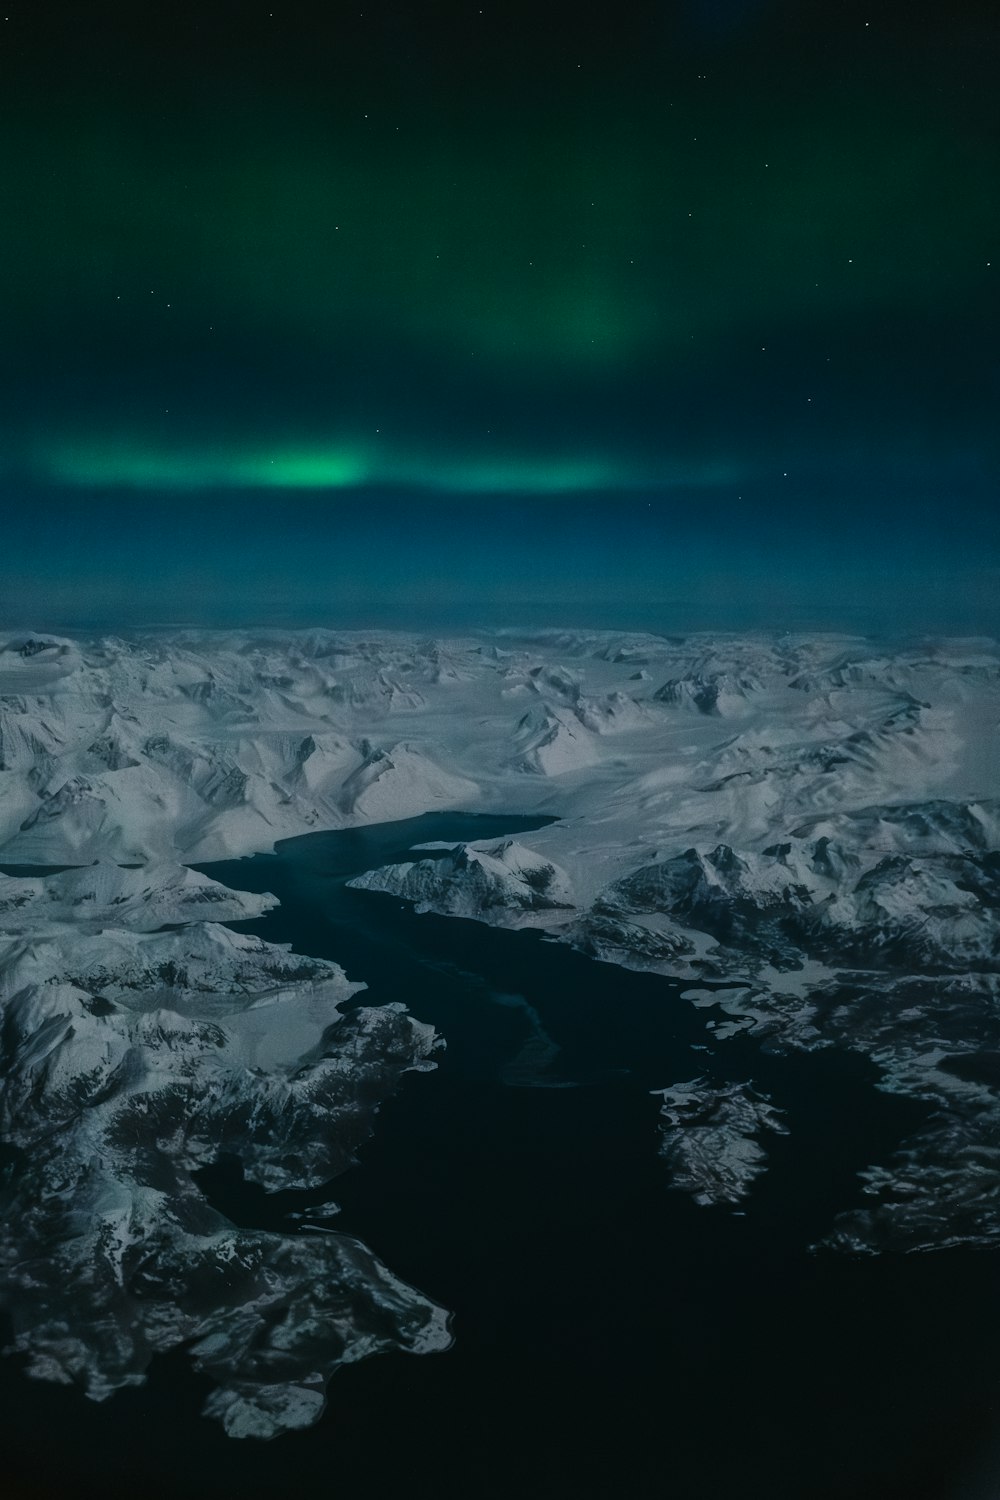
611 1339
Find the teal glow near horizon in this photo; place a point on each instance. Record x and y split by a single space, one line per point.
127 465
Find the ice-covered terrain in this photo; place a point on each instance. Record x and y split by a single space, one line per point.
805 829
142 898
503 879
130 1058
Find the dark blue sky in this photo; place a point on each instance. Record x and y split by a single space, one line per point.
678 313
696 559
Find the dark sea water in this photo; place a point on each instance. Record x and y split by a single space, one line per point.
611 1338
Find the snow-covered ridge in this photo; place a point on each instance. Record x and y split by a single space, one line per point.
502 879
132 1056
141 898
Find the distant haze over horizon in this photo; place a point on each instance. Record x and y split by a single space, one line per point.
420 561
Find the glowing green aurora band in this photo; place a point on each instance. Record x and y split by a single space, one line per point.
128 464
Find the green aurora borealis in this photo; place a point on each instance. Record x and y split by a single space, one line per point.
729 252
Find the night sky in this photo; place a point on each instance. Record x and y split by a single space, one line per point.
673 315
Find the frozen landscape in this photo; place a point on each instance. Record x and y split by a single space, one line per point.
805 830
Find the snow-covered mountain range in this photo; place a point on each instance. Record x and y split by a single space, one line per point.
806 829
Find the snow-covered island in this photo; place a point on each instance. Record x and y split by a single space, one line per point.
804 829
